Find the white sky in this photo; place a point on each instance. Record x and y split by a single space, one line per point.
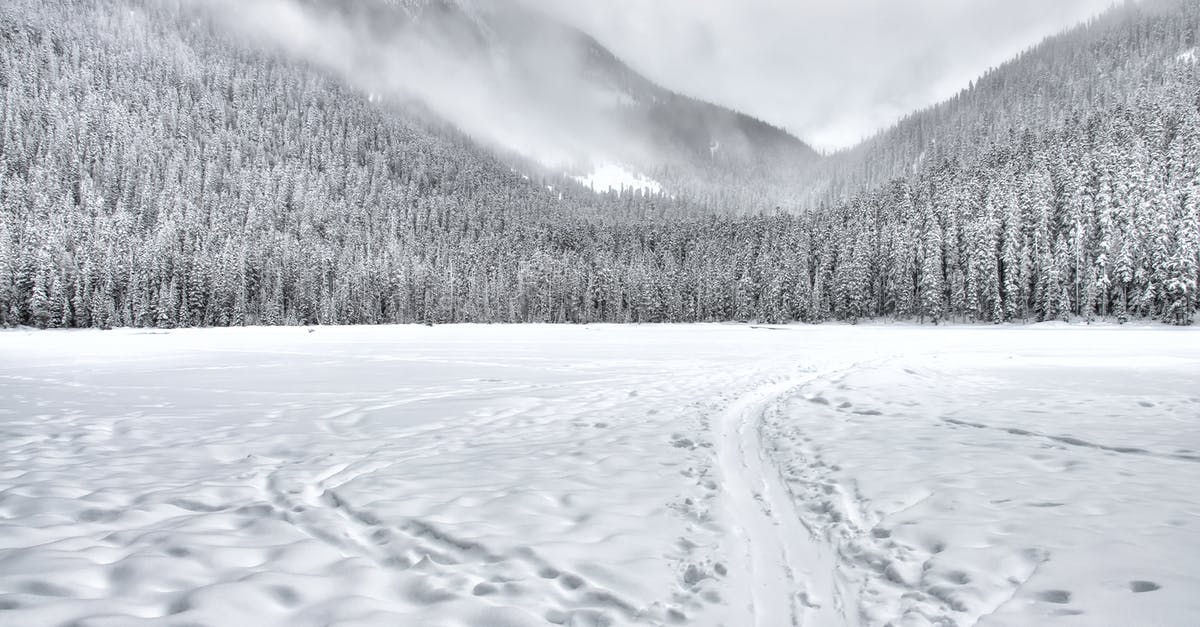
831 71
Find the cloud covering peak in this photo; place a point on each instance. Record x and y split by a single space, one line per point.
831 71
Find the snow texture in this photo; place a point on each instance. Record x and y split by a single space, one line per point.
589 475
614 178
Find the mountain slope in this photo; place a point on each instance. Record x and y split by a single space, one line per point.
155 171
511 76
1136 47
683 130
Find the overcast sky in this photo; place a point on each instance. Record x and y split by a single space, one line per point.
830 71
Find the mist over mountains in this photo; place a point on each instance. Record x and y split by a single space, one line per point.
516 79
209 162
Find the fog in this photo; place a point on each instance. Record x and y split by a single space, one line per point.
529 99
831 71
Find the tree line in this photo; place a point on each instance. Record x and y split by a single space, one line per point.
154 175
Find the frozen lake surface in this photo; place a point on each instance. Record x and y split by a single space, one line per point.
500 476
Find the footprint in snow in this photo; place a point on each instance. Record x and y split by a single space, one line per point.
1054 596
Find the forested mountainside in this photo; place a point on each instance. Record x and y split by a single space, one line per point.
540 86
1097 66
154 172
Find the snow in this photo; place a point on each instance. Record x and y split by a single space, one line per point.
1187 56
499 475
614 178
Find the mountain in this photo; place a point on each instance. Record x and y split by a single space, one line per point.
516 78
1136 48
681 130
328 164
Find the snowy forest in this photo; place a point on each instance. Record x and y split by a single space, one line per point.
156 172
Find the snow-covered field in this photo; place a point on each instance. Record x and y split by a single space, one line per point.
591 475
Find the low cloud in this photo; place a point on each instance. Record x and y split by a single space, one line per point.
528 99
831 71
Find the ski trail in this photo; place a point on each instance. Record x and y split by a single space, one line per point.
791 574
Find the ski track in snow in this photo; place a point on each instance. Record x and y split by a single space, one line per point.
931 528
715 475
789 576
